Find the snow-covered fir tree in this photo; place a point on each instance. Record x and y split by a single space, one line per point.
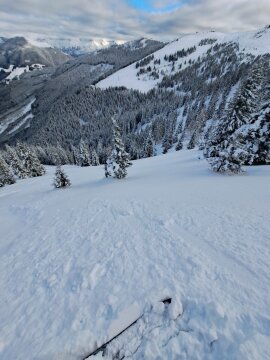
85 159
6 176
222 151
31 163
119 160
94 158
16 163
254 138
61 180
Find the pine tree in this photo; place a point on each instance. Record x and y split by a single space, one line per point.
119 160
84 155
61 179
6 177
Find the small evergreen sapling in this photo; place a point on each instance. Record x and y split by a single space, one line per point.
119 160
61 180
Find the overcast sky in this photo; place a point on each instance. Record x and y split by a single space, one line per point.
129 19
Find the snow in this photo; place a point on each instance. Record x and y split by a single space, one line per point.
17 72
256 43
22 123
9 120
77 265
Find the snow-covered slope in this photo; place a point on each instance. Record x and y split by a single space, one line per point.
255 42
76 264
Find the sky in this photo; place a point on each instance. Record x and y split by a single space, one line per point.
129 19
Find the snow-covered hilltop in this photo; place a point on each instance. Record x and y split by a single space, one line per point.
150 72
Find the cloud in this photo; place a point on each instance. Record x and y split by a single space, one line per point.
119 19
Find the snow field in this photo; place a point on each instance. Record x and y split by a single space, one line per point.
78 264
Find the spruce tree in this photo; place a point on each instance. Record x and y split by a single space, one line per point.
6 177
61 180
119 160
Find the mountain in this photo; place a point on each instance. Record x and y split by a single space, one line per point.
173 95
74 46
20 55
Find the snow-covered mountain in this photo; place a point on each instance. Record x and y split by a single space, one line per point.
74 46
17 55
175 92
149 73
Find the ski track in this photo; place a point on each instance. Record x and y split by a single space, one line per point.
68 271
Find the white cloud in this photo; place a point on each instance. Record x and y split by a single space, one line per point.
116 19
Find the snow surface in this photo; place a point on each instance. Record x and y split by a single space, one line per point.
254 42
78 264
16 72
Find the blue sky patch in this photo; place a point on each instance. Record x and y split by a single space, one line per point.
149 5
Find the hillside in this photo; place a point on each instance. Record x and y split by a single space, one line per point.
103 251
255 43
